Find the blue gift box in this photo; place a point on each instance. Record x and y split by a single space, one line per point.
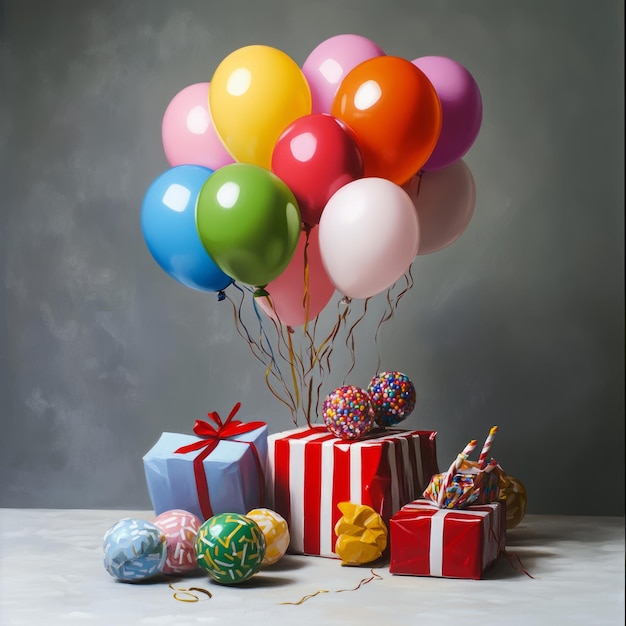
220 471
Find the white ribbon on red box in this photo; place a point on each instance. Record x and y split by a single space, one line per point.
437 522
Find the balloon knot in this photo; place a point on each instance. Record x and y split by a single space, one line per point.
259 292
290 329
221 296
346 300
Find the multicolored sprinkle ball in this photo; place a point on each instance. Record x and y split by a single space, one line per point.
230 548
134 550
348 412
393 397
276 533
180 529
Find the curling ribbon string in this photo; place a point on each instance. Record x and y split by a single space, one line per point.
192 597
512 557
363 581
211 436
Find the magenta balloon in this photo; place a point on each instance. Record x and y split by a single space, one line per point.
330 61
287 291
445 202
188 133
461 109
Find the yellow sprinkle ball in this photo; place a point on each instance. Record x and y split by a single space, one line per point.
276 532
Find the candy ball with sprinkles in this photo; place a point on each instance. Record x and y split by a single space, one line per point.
393 397
276 533
348 412
180 529
230 548
134 550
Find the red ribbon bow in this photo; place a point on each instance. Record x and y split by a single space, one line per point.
210 439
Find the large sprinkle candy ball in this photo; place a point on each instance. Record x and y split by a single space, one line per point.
393 397
348 412
180 529
514 494
230 548
276 533
134 550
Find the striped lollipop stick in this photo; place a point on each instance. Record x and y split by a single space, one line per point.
486 447
452 470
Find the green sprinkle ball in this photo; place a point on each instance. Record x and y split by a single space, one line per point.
230 548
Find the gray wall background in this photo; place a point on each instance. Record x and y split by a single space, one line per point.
520 323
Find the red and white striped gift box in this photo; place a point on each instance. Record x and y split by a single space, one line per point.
451 543
310 471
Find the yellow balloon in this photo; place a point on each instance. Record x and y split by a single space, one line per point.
256 92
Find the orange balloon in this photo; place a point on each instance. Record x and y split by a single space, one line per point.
395 112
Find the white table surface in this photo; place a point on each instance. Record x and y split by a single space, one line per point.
51 572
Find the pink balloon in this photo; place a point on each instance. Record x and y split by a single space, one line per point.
369 236
287 291
188 133
330 61
461 109
445 202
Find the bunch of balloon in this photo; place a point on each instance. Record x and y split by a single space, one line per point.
288 185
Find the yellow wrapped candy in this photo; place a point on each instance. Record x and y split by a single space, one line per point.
276 532
514 494
361 534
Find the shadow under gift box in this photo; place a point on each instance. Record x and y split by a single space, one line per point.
449 543
230 479
310 471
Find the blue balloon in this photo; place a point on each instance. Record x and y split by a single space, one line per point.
168 222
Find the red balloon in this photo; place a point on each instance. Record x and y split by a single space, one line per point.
315 156
395 112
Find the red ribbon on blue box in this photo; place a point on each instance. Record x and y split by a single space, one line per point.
211 437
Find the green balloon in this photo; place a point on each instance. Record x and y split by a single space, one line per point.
249 222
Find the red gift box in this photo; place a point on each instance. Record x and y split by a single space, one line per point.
451 543
310 471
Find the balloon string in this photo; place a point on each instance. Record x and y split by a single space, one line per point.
263 336
327 343
386 315
419 183
293 402
392 307
350 339
293 369
271 367
306 298
239 325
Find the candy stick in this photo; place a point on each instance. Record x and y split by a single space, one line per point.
469 448
485 451
452 470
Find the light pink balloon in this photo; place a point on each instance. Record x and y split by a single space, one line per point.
461 108
330 61
445 202
369 236
287 291
188 133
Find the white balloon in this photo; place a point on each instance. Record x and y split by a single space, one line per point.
369 236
